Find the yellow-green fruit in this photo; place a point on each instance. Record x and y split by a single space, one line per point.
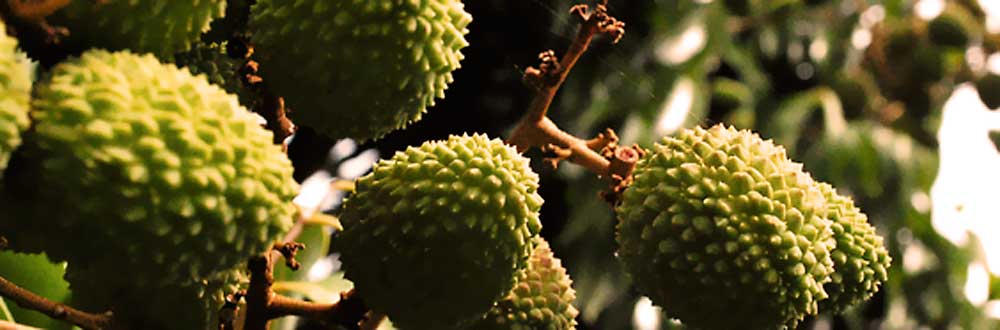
954 27
220 69
542 299
436 234
150 169
358 68
860 259
191 304
721 223
159 27
15 90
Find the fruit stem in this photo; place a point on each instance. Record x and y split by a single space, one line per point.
600 155
27 299
263 305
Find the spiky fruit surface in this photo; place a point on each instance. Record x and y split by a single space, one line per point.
436 234
220 69
159 27
542 299
15 90
383 61
721 222
152 169
860 259
190 304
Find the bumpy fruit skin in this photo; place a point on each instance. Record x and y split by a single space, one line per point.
191 304
542 299
153 170
15 91
220 69
723 231
383 62
436 234
860 259
159 27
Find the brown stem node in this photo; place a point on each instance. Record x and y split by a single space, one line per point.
263 304
289 250
601 154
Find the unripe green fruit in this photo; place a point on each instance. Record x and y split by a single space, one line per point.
192 304
159 27
542 299
15 90
719 222
220 69
989 90
358 68
954 27
436 234
860 259
155 169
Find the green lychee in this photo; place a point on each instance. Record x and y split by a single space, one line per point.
15 91
189 304
150 169
358 68
542 299
220 69
436 234
721 222
860 259
159 27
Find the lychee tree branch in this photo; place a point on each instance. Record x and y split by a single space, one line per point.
27 299
263 305
268 105
600 155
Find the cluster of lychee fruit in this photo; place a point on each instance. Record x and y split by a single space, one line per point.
121 161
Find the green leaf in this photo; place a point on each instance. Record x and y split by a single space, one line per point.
794 112
325 291
35 273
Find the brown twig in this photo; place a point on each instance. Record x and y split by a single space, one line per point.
601 155
36 9
263 305
29 300
269 105
289 250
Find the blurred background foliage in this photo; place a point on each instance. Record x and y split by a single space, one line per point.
882 98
